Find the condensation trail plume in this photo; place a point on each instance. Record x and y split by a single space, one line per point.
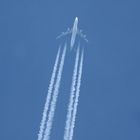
54 98
70 106
48 98
76 97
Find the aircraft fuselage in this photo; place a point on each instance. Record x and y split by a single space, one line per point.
74 32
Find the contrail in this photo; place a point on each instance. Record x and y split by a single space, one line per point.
48 98
70 106
54 98
76 97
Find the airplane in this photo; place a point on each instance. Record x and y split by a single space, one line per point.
74 32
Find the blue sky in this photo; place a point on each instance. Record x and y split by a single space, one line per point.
109 107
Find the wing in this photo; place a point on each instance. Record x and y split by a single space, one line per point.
64 33
80 33
69 31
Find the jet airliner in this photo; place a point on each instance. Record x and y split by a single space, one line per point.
74 32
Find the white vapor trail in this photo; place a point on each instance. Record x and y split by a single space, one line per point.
76 97
54 98
48 98
70 106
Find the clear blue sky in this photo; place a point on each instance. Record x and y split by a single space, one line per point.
109 107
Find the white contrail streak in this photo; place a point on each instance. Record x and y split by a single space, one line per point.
76 97
48 98
70 106
54 98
